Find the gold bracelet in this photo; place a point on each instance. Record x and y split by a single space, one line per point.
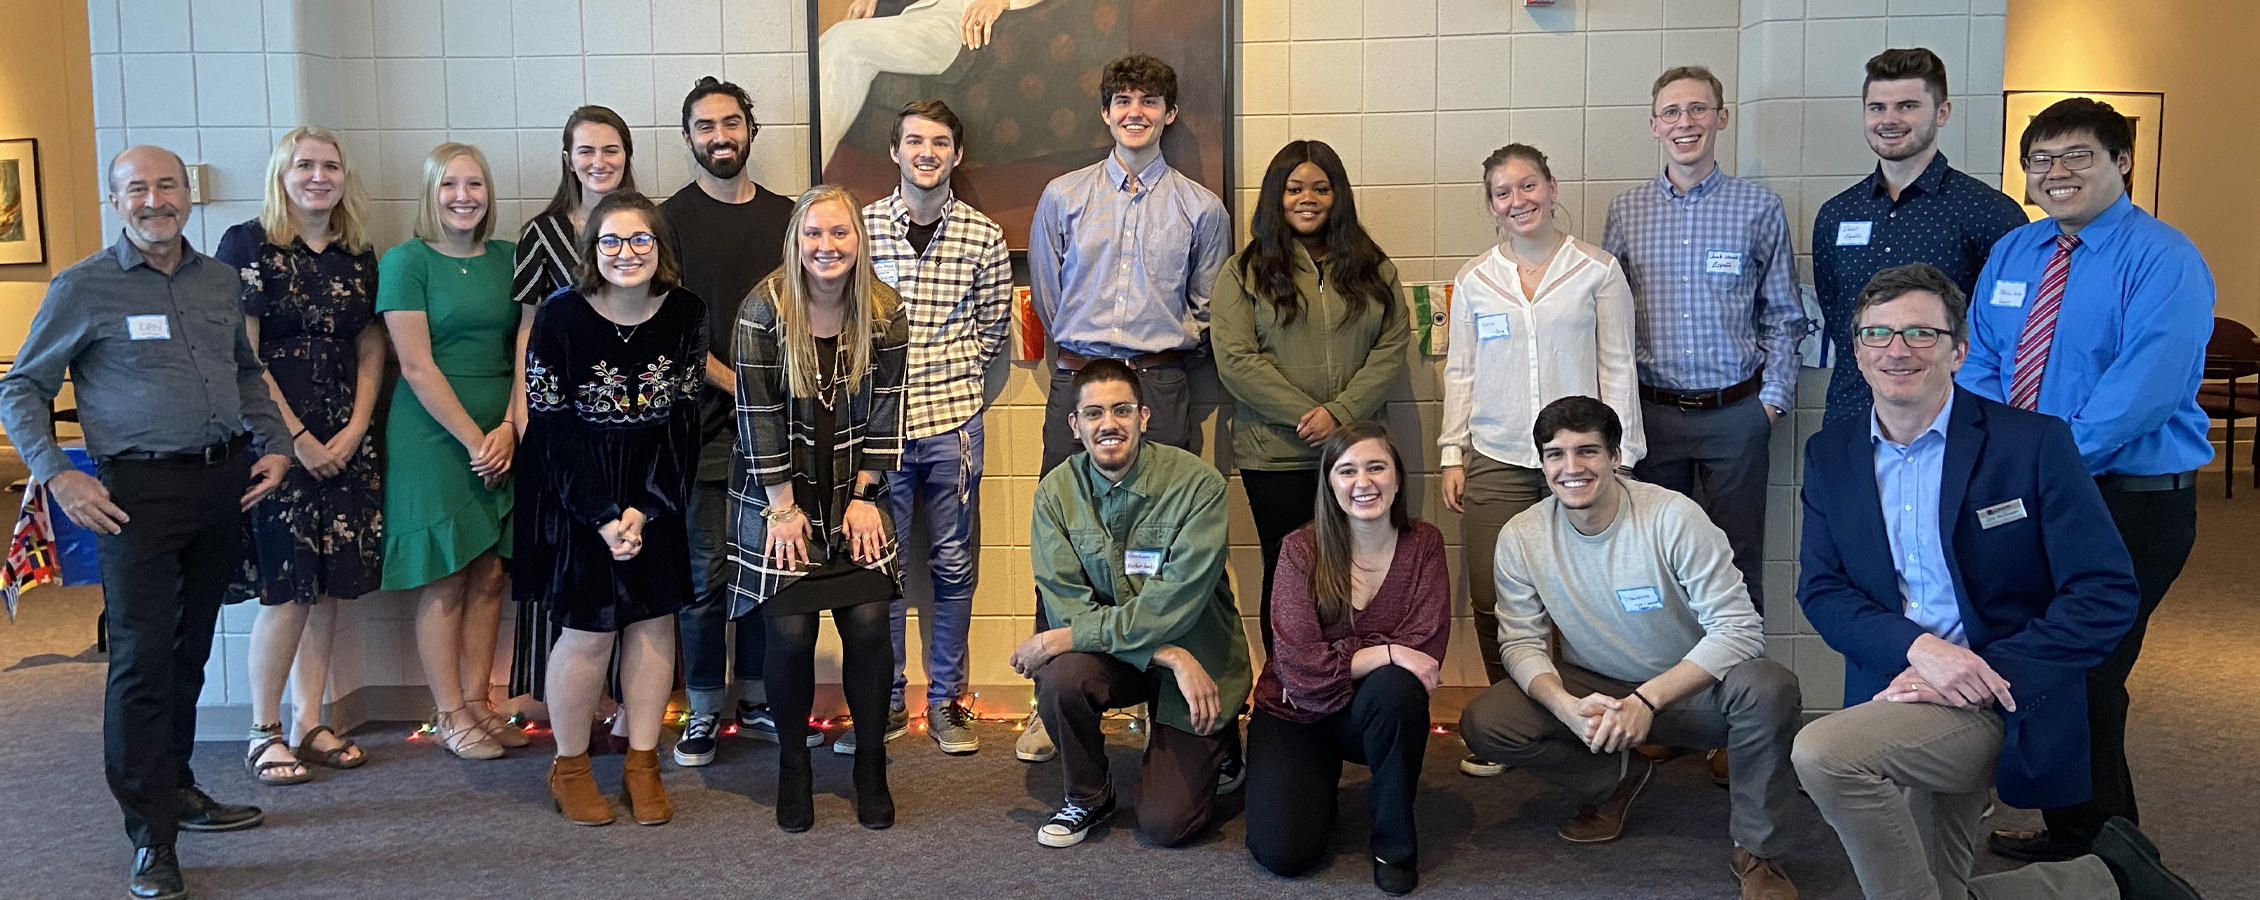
780 513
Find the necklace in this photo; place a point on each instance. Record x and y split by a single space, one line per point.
625 335
824 384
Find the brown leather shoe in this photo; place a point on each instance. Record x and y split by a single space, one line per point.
1762 878
575 791
640 787
1604 823
1719 775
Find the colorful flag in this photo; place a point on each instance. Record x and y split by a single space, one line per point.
1432 316
31 551
1031 346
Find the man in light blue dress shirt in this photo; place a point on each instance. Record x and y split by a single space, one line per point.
2099 315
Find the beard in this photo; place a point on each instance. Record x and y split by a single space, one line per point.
724 170
1918 141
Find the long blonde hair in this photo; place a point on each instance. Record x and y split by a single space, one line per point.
787 289
348 219
430 228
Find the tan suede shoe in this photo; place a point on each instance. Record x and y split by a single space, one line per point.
1604 823
1762 879
640 787
574 788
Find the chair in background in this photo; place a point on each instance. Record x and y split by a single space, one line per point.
2233 356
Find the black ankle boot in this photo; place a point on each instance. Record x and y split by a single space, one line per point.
874 804
796 810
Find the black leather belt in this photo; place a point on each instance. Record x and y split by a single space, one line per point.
1074 362
1718 399
2145 484
216 453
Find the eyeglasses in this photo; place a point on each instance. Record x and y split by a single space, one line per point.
1092 415
2074 161
1918 337
641 243
1695 112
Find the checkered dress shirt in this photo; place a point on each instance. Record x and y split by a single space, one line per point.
1714 282
958 297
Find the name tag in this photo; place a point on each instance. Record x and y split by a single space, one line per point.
1853 234
2008 293
885 269
2001 513
1640 599
1722 262
1141 562
149 328
1492 325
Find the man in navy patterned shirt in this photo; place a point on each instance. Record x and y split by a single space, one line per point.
1913 208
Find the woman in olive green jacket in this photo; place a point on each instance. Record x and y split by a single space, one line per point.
1310 334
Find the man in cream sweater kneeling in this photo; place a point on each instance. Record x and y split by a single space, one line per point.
1659 643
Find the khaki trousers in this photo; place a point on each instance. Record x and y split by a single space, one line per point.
1496 492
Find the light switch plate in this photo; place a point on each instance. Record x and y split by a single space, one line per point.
199 183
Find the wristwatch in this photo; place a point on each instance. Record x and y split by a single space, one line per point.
868 492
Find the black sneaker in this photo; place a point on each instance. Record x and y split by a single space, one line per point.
757 722
697 746
199 812
1230 775
1072 823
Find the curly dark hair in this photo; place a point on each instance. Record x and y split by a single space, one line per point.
1138 72
709 86
1268 263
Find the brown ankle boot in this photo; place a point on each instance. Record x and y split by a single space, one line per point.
575 791
640 787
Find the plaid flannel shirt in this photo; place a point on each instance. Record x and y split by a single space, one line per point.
958 298
776 445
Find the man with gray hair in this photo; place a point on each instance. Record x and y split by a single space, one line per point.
171 395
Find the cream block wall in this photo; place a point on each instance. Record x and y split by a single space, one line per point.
1413 93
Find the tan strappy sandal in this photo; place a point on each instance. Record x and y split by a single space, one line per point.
497 727
466 742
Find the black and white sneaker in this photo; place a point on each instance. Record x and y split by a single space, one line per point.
757 722
1230 775
1072 823
697 746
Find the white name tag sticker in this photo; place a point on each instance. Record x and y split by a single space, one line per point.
1492 325
1640 599
1141 562
1853 234
2001 514
149 328
2008 293
885 269
1722 262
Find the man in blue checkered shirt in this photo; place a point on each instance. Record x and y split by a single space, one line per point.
1714 282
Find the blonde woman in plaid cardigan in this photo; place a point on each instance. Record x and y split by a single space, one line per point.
821 349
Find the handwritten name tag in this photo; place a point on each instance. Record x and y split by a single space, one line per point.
1141 562
1640 599
149 328
2008 293
1491 325
1722 262
1853 234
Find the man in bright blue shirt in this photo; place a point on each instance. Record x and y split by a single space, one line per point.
2099 315
1912 208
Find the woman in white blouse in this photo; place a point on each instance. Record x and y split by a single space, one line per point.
1539 317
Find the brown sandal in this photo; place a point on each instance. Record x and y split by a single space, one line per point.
334 758
265 772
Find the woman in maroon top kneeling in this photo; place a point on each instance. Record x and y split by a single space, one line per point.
1360 612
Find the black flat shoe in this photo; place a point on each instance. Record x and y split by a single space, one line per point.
1395 880
796 809
2135 865
2034 846
156 874
874 804
199 812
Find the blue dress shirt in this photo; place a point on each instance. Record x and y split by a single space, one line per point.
1118 273
1944 218
1906 480
2130 339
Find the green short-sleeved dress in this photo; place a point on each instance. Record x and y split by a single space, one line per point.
438 515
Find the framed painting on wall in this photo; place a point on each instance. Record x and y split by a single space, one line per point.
1024 77
23 238
2146 111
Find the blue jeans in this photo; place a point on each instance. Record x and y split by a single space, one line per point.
944 471
705 626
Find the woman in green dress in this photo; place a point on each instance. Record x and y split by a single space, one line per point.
445 298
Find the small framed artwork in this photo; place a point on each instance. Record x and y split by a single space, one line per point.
23 238
2146 111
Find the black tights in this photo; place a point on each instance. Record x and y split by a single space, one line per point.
867 672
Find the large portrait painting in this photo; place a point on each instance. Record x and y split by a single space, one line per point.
2146 111
1024 77
22 235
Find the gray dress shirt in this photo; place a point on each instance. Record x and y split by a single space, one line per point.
160 363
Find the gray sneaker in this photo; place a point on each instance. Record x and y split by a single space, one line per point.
1035 745
951 724
898 724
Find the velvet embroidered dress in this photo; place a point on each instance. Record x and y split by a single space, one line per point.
614 425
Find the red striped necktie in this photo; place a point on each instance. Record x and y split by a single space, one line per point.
2040 326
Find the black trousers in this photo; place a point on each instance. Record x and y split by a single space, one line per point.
1295 769
2159 528
1176 778
1718 458
162 579
1280 502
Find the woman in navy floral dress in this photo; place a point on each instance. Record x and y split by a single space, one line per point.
309 282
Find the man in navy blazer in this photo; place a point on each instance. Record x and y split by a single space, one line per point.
1958 554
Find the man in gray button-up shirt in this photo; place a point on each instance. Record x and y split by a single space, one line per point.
168 385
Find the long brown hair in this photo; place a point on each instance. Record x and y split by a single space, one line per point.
787 289
1330 524
569 185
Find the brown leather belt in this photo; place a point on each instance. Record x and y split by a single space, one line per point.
1074 362
1692 400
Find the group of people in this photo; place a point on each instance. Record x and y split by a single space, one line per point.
718 412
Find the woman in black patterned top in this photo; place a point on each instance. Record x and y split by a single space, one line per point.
612 378
821 349
309 283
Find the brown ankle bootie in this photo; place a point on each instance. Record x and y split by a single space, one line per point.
575 791
640 787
